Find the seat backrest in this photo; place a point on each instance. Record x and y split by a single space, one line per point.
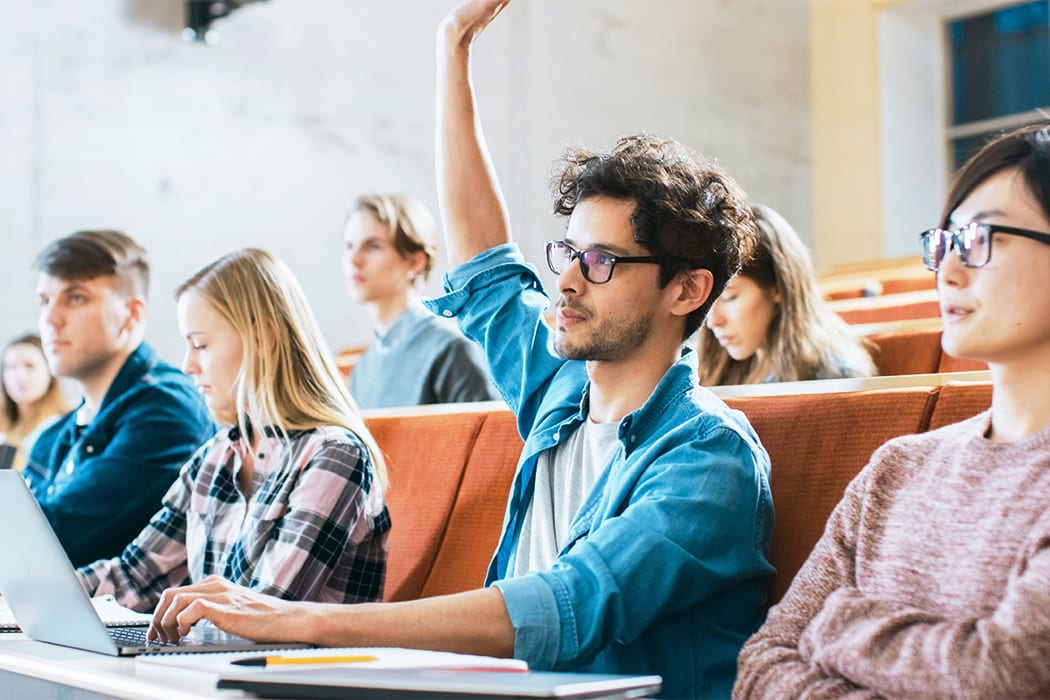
477 516
426 455
817 443
958 401
906 352
888 307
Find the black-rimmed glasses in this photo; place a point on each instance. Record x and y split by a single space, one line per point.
972 243
596 265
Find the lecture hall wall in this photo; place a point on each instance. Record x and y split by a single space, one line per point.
108 118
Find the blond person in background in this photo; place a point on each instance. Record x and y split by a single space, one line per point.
771 323
30 396
287 498
932 578
415 357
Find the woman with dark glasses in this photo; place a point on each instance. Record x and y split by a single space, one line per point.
932 578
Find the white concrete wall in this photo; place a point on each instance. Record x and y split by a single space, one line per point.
109 119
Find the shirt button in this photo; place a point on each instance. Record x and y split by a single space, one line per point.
634 439
90 449
447 313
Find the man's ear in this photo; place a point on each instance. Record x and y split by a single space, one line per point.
418 260
136 307
692 288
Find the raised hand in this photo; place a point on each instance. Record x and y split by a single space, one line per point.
466 21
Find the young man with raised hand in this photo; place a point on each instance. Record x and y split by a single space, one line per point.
99 473
638 527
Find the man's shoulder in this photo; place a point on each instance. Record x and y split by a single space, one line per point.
160 387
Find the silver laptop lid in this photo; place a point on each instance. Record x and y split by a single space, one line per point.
45 597
37 578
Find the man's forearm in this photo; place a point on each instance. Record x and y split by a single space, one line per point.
474 622
473 213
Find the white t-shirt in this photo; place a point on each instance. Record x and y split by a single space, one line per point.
565 475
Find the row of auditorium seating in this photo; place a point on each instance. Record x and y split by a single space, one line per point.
451 467
911 347
876 278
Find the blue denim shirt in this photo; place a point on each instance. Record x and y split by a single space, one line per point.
666 568
98 489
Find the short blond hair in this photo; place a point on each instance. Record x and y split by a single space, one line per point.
412 226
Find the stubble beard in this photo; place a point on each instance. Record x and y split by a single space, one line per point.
609 341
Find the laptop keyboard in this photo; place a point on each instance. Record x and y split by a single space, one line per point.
136 637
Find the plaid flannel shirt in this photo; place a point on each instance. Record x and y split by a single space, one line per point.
313 527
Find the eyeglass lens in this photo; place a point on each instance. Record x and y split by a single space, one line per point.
971 242
596 266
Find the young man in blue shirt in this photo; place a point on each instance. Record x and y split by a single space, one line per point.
99 473
638 527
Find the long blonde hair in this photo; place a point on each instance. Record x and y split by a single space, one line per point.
288 377
805 339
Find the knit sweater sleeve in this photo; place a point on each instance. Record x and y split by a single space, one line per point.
851 623
772 664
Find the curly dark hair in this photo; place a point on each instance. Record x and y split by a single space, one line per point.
688 211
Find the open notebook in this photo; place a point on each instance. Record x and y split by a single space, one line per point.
112 614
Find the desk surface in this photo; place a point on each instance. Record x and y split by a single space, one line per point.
101 676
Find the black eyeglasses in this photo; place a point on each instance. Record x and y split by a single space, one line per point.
596 265
972 243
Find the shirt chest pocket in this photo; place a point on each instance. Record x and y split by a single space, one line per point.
242 530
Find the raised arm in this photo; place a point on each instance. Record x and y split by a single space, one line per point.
473 213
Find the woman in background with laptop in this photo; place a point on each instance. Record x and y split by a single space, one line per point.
30 398
288 498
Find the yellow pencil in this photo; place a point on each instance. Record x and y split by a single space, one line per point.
280 660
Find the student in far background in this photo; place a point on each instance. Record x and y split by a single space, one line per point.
415 357
771 323
30 396
287 498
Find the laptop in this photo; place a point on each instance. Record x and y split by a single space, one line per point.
408 684
45 597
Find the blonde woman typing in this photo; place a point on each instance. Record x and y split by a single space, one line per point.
287 499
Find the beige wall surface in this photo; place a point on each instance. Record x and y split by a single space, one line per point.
846 161
109 119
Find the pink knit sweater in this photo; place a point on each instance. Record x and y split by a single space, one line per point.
932 579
